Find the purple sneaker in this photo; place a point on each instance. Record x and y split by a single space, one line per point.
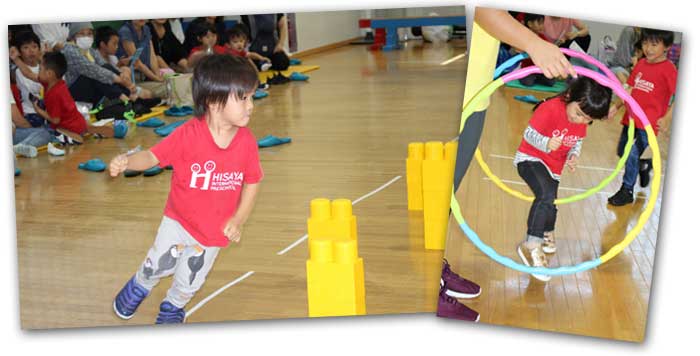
170 314
456 286
449 307
129 298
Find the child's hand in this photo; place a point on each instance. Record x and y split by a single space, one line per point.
572 162
612 112
571 35
554 143
118 165
265 59
232 230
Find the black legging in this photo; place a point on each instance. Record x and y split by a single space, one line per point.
468 141
92 91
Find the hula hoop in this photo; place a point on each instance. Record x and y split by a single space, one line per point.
629 237
576 197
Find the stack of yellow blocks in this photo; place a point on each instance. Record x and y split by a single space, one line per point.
429 175
334 272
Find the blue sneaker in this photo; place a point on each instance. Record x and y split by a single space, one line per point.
120 129
155 170
259 94
93 165
170 314
129 298
294 61
152 122
296 76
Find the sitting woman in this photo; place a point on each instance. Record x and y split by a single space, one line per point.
86 78
170 53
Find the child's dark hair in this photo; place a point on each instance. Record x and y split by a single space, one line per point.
56 62
652 35
532 18
25 37
237 31
216 76
200 29
104 34
593 98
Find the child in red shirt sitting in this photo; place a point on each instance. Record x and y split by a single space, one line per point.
553 140
238 40
652 84
205 35
216 171
61 112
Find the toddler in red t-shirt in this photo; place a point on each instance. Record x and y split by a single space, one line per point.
238 40
652 84
552 141
216 171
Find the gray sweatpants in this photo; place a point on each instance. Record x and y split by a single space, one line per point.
176 252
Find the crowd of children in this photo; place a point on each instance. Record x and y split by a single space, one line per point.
56 82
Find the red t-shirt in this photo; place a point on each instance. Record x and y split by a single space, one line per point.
207 180
217 49
550 120
59 103
653 85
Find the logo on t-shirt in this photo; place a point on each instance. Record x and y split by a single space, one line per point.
211 180
643 85
567 141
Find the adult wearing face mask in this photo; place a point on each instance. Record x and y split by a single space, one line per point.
86 78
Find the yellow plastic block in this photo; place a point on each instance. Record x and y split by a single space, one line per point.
334 272
332 220
414 175
438 174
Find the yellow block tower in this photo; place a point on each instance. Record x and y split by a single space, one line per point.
438 174
414 175
335 274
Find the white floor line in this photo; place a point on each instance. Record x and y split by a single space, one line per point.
211 296
455 58
562 188
303 238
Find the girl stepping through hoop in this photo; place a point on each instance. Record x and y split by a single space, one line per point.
551 141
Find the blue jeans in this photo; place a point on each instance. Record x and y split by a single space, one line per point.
632 165
543 212
33 136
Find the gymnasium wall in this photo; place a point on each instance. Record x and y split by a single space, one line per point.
318 29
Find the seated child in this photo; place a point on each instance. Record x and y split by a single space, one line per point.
205 37
27 45
61 112
238 41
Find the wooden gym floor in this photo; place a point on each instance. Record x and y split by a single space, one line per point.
610 301
81 235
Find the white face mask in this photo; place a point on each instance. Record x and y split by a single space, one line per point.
84 42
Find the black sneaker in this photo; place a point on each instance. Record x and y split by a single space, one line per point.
278 78
645 168
622 197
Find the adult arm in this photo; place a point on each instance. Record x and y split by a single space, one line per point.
545 55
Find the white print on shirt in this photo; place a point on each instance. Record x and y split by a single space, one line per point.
214 180
643 85
568 141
